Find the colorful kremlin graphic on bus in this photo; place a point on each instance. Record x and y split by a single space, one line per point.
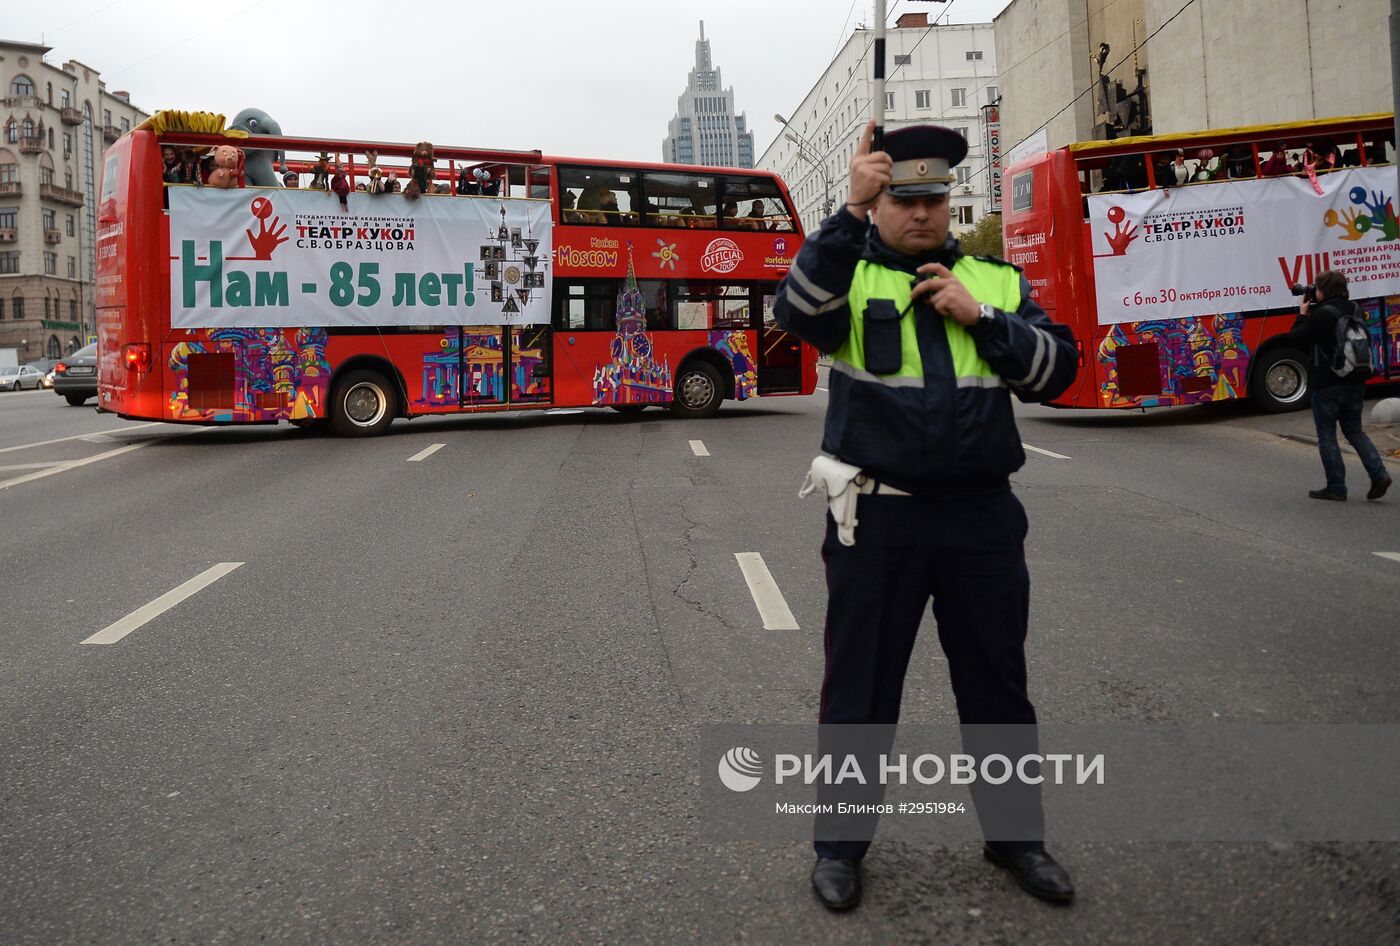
267 374
633 376
467 368
1179 361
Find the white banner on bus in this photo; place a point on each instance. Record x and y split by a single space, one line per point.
1238 246
271 258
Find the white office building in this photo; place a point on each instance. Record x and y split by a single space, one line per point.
935 75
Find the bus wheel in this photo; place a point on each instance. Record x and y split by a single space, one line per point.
363 405
1280 380
698 391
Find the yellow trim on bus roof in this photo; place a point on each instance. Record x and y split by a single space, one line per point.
1261 131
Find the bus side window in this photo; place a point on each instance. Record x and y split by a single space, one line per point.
585 305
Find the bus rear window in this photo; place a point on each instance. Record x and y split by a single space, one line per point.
110 169
1021 192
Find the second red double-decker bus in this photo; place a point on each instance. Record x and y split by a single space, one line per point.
493 281
1173 257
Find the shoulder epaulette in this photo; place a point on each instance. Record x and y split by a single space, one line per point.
998 259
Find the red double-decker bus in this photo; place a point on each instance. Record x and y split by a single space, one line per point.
512 280
1173 256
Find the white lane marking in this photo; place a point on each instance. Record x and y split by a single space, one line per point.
426 452
698 447
96 438
1393 556
115 632
565 410
766 596
73 464
819 388
45 443
29 466
1048 453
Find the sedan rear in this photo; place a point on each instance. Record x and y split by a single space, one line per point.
75 377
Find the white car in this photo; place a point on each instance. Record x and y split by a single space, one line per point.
18 379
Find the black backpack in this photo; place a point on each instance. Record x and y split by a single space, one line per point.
1354 357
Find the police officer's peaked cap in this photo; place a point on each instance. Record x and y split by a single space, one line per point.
924 157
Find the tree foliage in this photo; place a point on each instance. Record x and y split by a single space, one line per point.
984 239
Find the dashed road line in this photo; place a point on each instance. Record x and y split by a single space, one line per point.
699 449
1393 556
1048 453
116 631
772 607
820 388
45 443
426 452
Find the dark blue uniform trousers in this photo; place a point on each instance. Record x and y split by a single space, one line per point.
966 553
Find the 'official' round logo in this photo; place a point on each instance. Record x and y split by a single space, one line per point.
721 256
740 768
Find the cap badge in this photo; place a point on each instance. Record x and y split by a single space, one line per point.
921 168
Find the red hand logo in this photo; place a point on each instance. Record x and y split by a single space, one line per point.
1119 239
268 239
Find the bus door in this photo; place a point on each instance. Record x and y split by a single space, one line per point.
779 352
505 364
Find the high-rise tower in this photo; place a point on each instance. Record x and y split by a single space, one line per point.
706 129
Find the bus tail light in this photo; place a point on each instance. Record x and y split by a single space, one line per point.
137 357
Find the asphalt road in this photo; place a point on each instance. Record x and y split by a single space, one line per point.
456 699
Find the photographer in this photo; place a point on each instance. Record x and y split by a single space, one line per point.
1334 399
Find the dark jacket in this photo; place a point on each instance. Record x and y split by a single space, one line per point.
938 437
1316 336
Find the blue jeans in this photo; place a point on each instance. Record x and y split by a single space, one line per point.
1342 404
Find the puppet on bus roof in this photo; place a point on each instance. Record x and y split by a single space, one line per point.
259 162
228 167
420 171
340 184
376 176
320 178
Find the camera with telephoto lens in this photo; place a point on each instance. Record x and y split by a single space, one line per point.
1308 291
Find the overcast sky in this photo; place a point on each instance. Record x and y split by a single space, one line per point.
594 79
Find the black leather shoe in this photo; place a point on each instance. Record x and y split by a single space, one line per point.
837 883
1378 487
1331 494
1035 870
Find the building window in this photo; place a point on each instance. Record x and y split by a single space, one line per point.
126 126
921 97
67 146
46 175
70 225
961 129
974 55
992 95
68 179
903 60
964 173
9 173
72 268
17 308
72 310
22 85
63 100
8 216
2 307
964 214
889 101
959 98
9 263
50 219
50 263
106 116
12 132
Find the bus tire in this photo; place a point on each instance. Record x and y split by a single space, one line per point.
699 390
75 400
364 404
1279 382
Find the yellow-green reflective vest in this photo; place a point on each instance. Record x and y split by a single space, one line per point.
994 283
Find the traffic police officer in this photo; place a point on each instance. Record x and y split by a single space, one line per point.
926 345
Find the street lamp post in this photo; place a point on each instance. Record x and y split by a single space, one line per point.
808 151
